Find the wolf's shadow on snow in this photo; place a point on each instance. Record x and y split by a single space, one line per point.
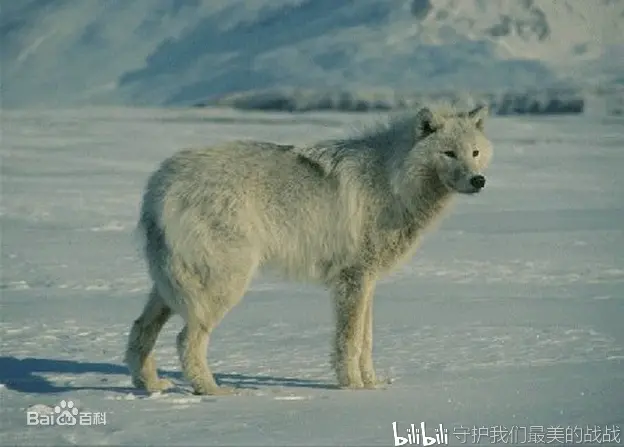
28 375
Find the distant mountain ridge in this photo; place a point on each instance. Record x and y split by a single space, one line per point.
178 52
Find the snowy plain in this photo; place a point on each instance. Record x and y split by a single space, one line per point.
511 313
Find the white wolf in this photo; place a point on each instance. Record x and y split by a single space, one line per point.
340 212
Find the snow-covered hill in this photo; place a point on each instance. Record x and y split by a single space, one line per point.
169 52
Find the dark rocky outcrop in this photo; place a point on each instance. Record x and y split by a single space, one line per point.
543 102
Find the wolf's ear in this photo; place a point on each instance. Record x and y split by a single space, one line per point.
427 122
478 115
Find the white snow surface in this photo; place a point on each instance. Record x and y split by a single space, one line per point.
511 313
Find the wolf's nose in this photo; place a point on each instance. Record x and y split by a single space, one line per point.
478 181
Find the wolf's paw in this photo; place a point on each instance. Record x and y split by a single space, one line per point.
205 385
371 385
349 377
369 378
160 385
351 383
152 386
376 384
215 390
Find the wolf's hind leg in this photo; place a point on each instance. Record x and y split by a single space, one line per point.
139 352
192 344
207 307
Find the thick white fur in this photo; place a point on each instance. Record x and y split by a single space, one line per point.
340 212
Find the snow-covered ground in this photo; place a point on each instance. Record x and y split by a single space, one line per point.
512 312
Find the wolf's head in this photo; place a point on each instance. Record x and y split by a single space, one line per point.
455 147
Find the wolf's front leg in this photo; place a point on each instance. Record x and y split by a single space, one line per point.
351 296
369 378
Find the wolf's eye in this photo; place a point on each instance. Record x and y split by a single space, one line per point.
450 154
475 153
